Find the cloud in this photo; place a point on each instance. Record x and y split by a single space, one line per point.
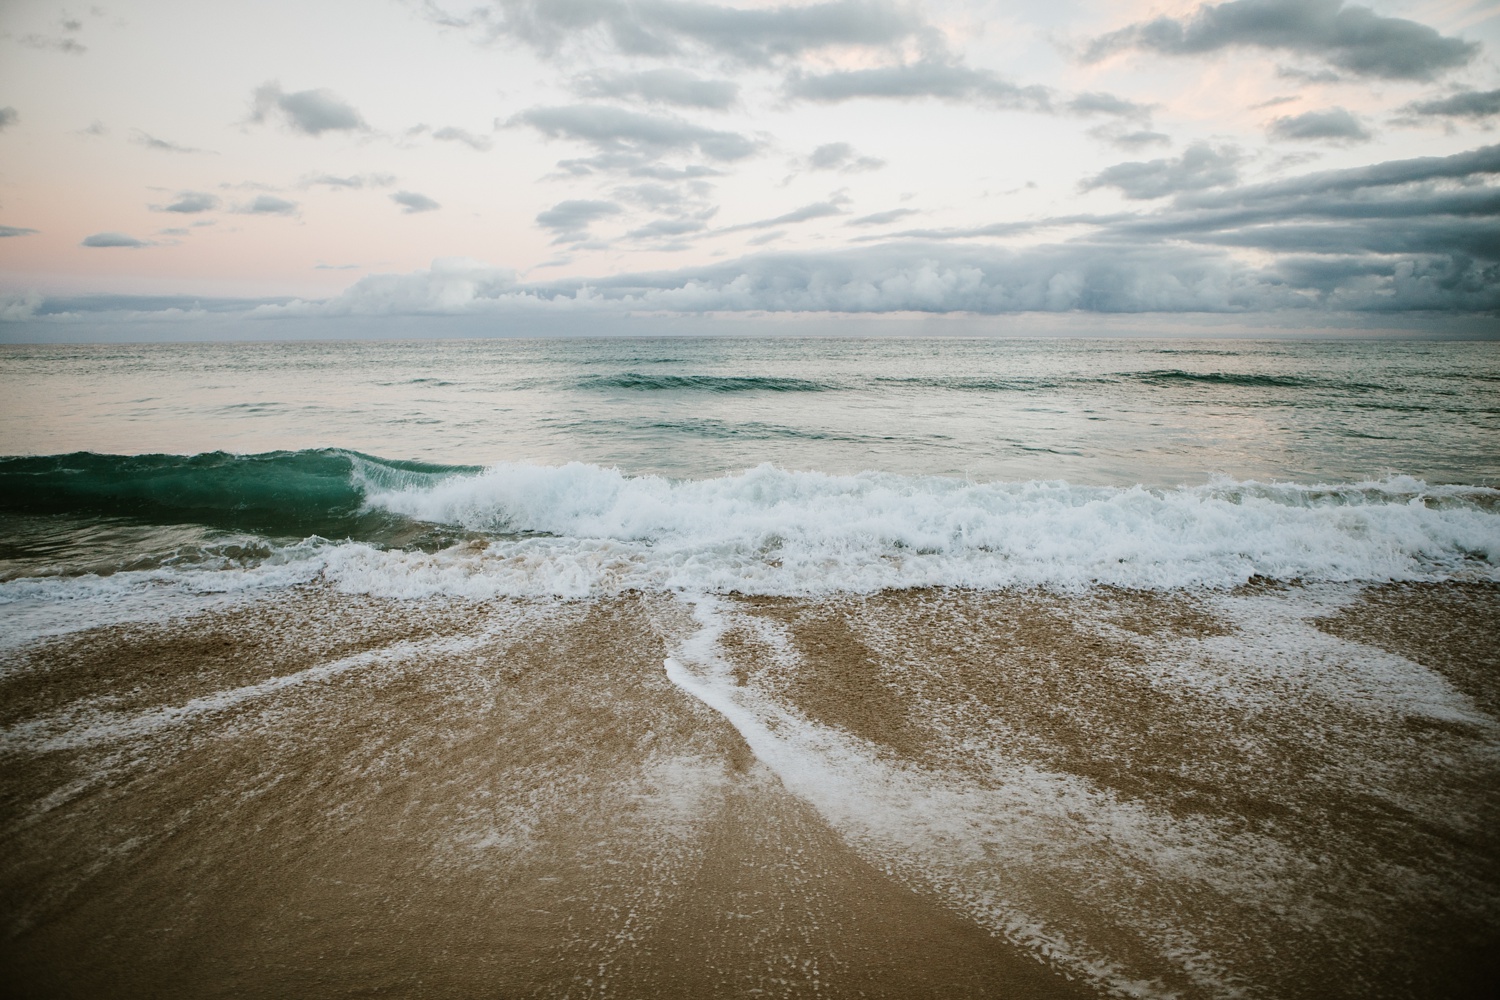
1458 166
1333 125
1474 104
840 156
667 229
928 278
353 182
69 45
311 112
1129 138
570 220
629 139
653 196
929 78
1352 38
669 27
1200 166
882 218
411 202
816 210
659 86
1098 103
449 133
60 43
8 117
8 231
191 203
113 240
268 204
1401 226
150 141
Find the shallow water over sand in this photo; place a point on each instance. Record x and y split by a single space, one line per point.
1274 792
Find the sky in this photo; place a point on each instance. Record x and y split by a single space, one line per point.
429 167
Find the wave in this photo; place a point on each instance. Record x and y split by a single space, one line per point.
959 383
282 494
1168 376
578 529
705 383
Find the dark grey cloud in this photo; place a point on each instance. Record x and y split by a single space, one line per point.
268 204
1473 104
411 202
659 86
570 220
1474 163
938 278
113 240
1337 125
628 139
8 117
190 203
150 141
450 133
882 218
1395 236
311 112
8 231
1200 166
927 79
1351 38
668 27
841 156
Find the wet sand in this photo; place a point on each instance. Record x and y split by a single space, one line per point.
1279 792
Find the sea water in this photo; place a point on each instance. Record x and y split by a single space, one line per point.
764 466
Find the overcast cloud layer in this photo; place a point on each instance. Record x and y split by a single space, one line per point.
524 161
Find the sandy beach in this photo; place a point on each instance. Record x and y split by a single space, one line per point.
1279 791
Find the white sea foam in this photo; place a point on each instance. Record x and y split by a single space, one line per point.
578 530
772 531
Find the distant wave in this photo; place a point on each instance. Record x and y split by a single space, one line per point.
1169 376
970 384
705 383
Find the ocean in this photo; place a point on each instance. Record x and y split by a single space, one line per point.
772 667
